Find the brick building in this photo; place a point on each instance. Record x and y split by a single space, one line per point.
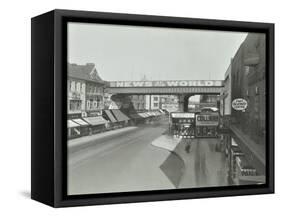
248 82
246 77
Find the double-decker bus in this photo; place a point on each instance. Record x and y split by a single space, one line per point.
182 124
207 124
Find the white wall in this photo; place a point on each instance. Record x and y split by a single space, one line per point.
15 107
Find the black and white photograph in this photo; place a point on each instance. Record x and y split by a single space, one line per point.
157 108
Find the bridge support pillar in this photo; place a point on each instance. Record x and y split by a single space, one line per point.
181 103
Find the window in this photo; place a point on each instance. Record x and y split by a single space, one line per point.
78 87
155 98
72 86
155 104
88 105
83 88
75 105
247 70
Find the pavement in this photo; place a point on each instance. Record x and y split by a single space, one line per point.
173 166
85 141
166 142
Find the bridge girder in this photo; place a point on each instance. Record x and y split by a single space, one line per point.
163 90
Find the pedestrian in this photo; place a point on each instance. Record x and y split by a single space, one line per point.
187 147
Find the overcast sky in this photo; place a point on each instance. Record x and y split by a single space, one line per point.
129 52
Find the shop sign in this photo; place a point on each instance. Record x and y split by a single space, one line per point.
74 116
239 104
180 83
93 113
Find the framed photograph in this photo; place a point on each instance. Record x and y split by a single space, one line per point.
134 108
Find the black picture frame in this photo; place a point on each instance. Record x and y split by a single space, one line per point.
49 81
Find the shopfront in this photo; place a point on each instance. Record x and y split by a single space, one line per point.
120 117
136 118
96 124
84 126
242 170
73 129
112 122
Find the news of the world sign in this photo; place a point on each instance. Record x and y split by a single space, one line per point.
181 83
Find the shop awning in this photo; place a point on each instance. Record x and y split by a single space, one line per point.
110 116
71 124
135 116
150 114
144 115
94 121
120 116
156 113
80 122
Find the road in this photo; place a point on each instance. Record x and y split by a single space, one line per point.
128 162
125 162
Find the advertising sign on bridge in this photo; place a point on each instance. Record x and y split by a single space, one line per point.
175 83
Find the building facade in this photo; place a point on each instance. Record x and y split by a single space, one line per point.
76 95
85 100
169 102
152 102
85 90
138 102
245 79
248 82
209 101
225 103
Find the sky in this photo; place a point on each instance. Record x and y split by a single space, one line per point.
124 53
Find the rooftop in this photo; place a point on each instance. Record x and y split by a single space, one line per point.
86 72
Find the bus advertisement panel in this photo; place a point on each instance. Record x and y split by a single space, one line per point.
207 124
182 124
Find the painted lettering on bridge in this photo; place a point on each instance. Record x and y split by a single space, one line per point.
180 83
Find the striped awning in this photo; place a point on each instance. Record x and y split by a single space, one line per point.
110 116
71 124
135 116
80 122
144 115
94 121
120 116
